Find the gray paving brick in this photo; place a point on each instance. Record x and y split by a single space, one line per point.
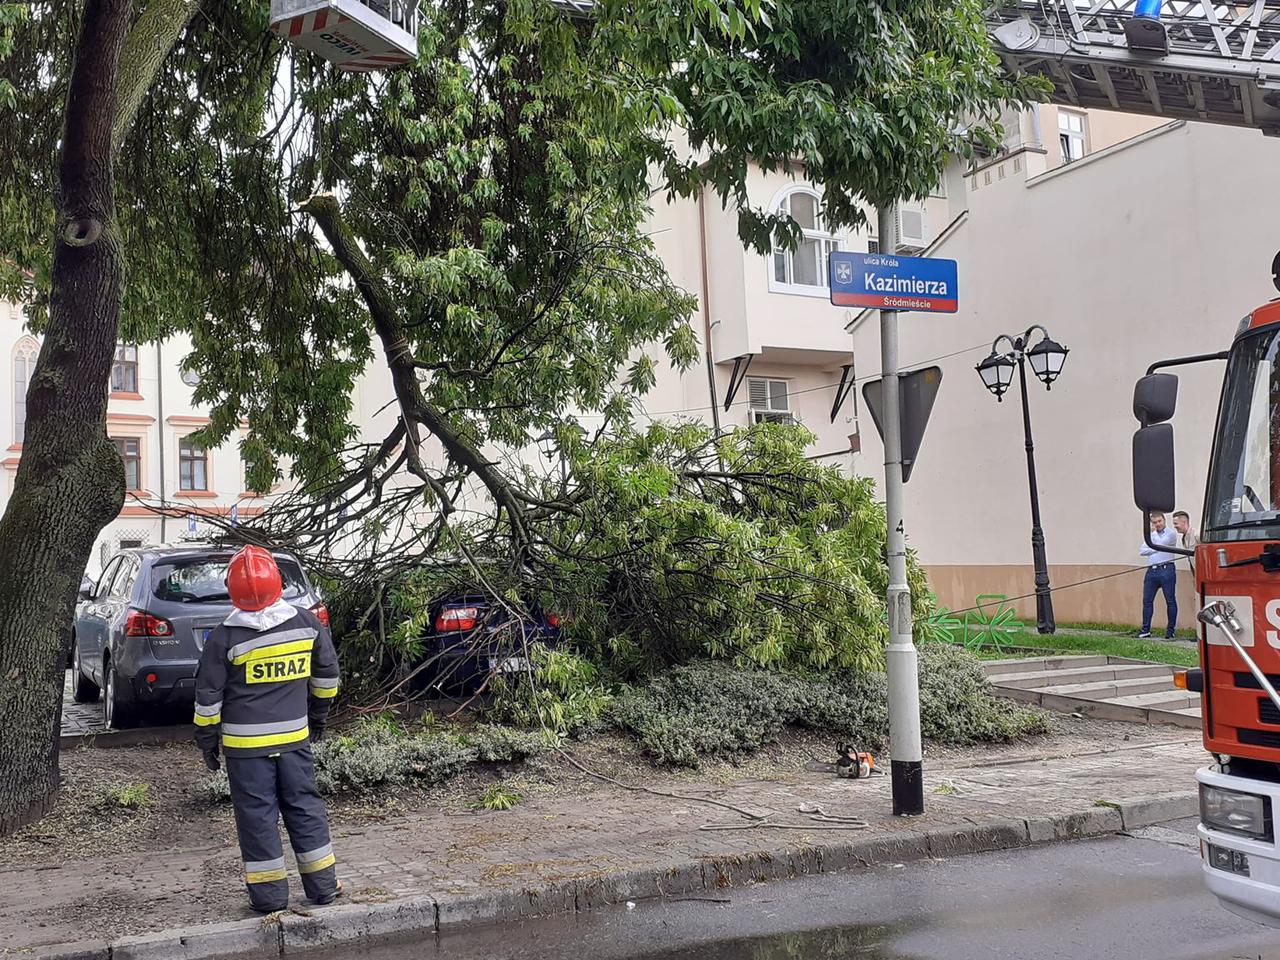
603 845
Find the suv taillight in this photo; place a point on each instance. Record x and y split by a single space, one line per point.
457 618
140 624
321 613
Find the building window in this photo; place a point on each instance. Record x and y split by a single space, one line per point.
873 246
1071 135
130 450
806 266
769 400
193 466
24 365
124 372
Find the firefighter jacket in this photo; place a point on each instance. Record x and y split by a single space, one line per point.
260 686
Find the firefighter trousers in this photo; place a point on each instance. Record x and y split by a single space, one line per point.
263 789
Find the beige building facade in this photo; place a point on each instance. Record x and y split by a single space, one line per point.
1128 238
1145 245
150 418
765 323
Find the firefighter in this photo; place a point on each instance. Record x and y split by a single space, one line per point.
266 678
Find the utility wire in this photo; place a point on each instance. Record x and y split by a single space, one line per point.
1052 590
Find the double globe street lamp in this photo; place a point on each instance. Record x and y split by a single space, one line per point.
1046 356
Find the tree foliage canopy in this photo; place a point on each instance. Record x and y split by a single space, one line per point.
497 190
476 223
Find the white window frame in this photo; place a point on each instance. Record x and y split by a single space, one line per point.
122 361
754 411
1081 135
125 438
837 241
191 458
25 353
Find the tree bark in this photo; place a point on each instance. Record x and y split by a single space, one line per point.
414 407
70 481
145 49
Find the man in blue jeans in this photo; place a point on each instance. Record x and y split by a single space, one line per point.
1161 576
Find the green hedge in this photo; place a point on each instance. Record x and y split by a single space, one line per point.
716 711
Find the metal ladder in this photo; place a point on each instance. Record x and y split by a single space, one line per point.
1222 64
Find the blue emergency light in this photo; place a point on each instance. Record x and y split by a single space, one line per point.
1144 32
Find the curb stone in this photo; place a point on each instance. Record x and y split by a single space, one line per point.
331 926
235 938
1144 811
80 950
1076 826
342 923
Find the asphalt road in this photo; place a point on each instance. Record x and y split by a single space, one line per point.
1129 898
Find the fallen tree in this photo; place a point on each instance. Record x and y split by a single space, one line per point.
475 222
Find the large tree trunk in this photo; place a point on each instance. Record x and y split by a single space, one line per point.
70 482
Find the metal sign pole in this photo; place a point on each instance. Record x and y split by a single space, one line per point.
900 655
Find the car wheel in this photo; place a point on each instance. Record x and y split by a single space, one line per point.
83 690
118 712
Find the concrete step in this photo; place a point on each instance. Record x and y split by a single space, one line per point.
1168 700
993 668
1189 712
1111 710
1107 689
1036 679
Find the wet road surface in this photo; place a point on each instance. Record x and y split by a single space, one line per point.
1129 898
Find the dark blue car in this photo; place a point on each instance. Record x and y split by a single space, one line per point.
470 638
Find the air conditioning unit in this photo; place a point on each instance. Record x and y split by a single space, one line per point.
769 416
911 235
769 401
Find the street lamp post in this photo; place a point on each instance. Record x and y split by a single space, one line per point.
549 446
1047 357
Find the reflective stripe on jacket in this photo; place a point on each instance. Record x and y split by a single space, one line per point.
257 690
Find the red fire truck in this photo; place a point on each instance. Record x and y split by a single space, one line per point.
1237 568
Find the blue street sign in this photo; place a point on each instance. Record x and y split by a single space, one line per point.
886 281
191 524
235 513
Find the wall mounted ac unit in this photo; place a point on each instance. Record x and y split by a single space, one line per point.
769 400
910 228
770 416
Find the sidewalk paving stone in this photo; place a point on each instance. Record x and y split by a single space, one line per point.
86 723
599 845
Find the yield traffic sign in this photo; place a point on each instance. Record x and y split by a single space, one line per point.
917 390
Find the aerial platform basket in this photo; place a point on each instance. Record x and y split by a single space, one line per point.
358 35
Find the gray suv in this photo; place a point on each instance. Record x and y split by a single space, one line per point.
139 631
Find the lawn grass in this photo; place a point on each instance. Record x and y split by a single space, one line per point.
1183 633
1035 644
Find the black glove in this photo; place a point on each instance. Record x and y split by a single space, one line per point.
317 729
211 758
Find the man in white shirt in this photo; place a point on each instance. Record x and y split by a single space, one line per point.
1160 577
1187 538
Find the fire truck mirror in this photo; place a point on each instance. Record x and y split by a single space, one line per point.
1153 468
1154 398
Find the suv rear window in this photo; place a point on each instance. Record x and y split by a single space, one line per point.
203 579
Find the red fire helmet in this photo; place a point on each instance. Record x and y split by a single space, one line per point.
253 579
